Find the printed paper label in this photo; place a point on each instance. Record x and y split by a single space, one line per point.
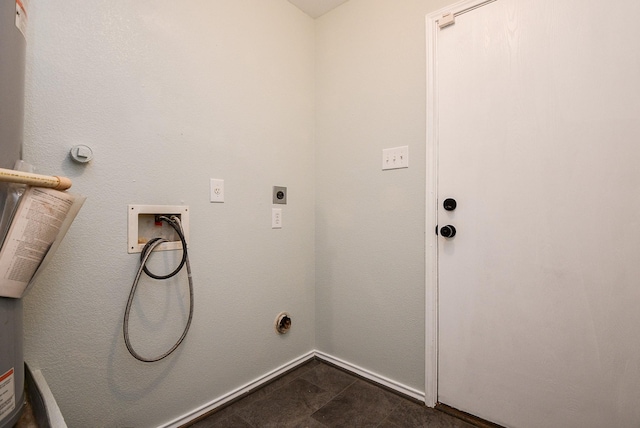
21 16
7 394
37 225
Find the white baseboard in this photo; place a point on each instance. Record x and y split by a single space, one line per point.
220 401
374 377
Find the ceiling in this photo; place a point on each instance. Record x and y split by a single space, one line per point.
316 8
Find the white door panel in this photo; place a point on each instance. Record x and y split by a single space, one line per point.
539 143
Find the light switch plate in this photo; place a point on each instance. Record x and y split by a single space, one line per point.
395 158
276 218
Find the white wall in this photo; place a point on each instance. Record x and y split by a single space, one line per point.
169 94
370 223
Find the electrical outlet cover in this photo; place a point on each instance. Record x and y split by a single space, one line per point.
217 190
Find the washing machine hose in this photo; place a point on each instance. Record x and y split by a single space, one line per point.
174 222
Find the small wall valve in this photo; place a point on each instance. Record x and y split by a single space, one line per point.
81 153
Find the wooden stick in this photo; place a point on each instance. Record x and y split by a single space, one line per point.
37 180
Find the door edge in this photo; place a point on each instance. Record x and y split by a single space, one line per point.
431 188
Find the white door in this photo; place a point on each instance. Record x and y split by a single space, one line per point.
538 141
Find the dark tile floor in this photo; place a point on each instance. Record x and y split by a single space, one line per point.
318 395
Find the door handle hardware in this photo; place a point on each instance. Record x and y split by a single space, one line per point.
448 231
449 204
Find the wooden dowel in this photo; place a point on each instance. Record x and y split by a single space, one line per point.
37 180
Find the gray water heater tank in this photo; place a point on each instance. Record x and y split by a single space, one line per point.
12 56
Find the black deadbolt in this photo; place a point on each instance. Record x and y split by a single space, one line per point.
449 204
448 231
280 194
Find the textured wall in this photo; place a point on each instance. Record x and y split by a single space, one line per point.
371 60
169 94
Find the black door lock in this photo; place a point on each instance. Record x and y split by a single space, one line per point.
448 231
449 204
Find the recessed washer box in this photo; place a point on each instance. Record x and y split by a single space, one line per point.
142 227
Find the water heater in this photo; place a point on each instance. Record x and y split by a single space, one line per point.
12 56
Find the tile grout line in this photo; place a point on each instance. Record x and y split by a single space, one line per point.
294 378
332 398
244 420
397 406
231 405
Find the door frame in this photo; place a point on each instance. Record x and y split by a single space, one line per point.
431 239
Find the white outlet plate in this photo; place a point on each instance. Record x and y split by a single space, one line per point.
276 218
216 190
395 158
141 227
